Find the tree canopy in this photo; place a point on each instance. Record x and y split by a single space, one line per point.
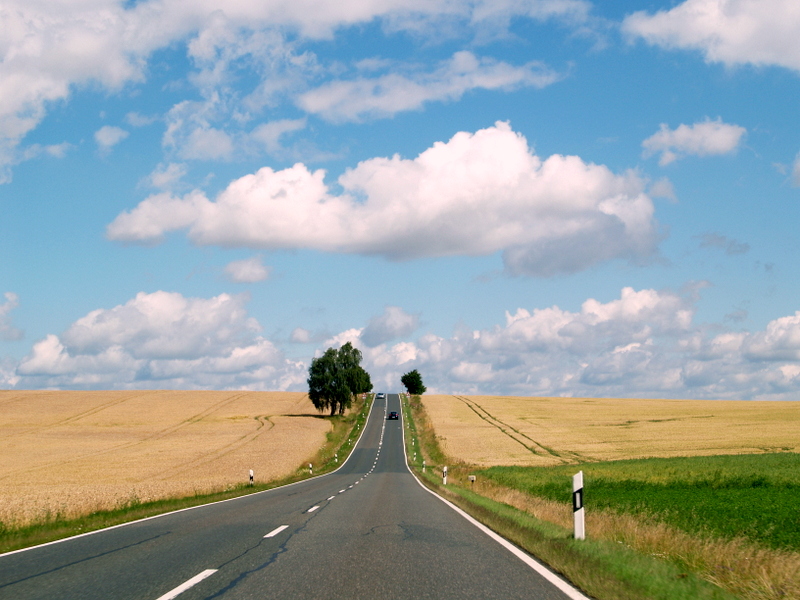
336 377
413 382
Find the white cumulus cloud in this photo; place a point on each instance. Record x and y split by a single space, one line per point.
163 340
642 344
733 32
476 194
165 176
393 323
249 270
779 341
109 136
300 336
705 138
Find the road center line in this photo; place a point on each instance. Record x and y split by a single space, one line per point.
332 497
341 491
313 508
276 531
185 586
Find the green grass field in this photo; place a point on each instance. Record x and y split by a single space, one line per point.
751 496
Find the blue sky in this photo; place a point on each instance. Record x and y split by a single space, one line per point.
539 197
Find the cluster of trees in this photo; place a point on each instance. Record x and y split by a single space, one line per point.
413 382
336 377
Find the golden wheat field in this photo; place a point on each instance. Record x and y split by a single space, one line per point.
71 453
492 430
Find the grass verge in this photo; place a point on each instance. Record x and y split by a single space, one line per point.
602 568
339 443
747 495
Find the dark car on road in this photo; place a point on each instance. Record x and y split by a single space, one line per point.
393 415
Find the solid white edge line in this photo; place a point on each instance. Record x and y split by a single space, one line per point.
185 586
180 510
276 531
546 573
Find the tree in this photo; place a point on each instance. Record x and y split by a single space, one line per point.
413 382
336 377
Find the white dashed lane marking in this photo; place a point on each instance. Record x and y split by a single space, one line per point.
276 531
313 508
189 584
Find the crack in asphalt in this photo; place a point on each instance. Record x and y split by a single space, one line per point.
85 559
272 557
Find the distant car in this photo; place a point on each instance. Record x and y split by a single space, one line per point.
380 396
393 415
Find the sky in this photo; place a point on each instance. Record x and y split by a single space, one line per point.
515 197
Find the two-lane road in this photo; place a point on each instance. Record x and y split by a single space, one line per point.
369 530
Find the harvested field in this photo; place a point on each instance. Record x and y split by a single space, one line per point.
492 430
71 453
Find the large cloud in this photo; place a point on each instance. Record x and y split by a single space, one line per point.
757 32
393 323
643 344
474 195
162 340
49 47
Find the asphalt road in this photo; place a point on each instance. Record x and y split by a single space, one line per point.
369 530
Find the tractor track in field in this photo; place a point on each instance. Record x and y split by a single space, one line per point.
156 435
218 453
518 436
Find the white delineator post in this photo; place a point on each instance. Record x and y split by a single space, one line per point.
251 476
444 476
577 506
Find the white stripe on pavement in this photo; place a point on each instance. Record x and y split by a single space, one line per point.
185 586
276 531
313 508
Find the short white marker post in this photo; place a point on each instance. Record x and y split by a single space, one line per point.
310 469
577 506
472 479
336 456
423 466
444 475
251 476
